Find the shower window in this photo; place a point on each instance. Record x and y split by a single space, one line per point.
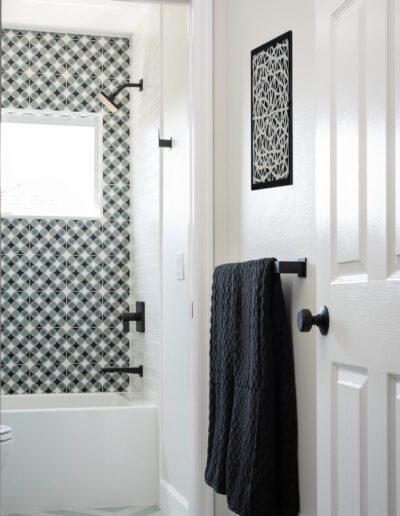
50 165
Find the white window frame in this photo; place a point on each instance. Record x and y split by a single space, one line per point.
71 119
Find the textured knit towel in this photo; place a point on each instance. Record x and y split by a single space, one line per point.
252 442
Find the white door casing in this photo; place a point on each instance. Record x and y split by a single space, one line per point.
358 264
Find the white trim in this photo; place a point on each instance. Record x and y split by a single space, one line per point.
67 30
200 257
202 262
171 501
159 2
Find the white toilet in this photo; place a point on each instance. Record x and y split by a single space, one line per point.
5 445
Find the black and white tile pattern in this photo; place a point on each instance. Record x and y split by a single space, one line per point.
65 282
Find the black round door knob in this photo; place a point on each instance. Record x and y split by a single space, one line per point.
306 320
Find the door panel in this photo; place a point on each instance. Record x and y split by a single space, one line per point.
348 135
394 445
349 445
358 273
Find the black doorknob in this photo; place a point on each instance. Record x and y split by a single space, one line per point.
306 320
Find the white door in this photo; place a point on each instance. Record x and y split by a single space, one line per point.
358 267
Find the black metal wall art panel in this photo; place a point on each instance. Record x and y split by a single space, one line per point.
271 113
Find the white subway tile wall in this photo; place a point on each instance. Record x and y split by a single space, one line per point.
146 271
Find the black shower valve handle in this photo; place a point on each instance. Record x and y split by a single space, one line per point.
138 317
128 317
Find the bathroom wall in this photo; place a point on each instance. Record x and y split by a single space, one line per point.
65 282
278 221
145 191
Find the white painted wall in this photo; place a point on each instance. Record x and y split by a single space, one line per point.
145 195
273 222
176 314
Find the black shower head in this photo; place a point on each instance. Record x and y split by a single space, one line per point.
108 101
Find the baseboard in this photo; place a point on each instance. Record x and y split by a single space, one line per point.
172 503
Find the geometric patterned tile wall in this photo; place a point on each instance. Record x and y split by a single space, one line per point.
65 283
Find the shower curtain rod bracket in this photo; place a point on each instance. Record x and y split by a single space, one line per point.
164 143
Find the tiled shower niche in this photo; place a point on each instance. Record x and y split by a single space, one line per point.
65 282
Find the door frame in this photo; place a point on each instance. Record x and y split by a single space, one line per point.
201 237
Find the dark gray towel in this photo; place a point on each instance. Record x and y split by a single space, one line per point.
252 442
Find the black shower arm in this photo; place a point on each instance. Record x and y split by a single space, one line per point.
128 85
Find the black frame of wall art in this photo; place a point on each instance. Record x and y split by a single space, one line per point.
287 36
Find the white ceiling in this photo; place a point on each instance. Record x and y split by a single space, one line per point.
80 16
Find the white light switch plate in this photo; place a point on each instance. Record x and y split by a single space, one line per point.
180 266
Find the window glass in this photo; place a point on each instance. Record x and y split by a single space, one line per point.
50 166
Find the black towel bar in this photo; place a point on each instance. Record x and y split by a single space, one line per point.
299 267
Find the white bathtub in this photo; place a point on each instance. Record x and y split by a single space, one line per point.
79 451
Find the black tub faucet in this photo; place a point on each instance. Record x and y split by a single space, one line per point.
128 370
138 317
